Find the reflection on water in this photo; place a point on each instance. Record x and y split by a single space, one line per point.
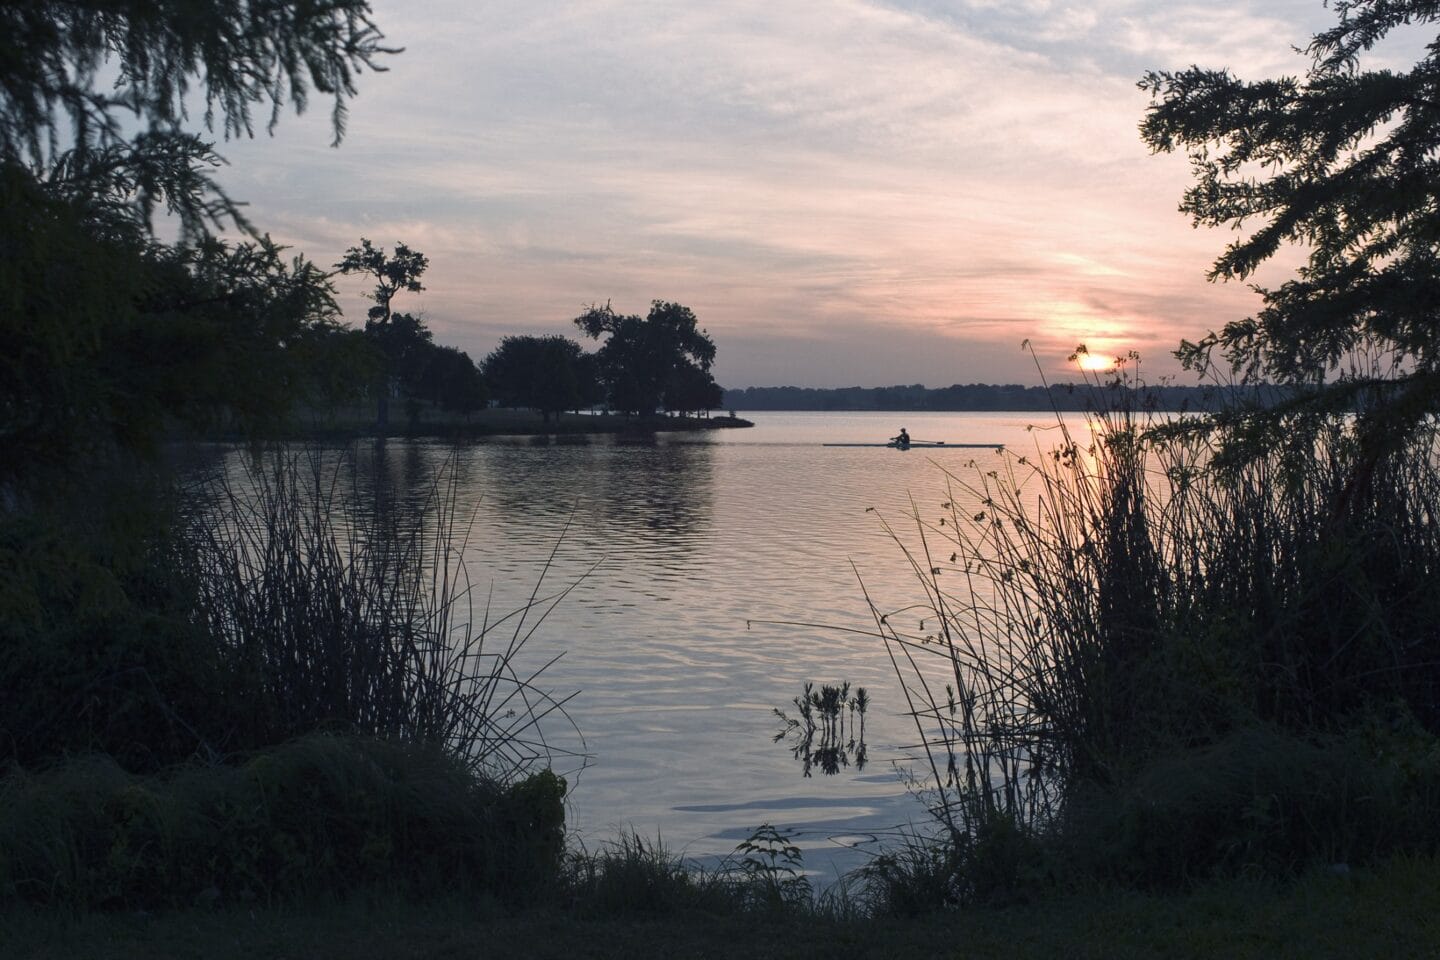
827 729
699 539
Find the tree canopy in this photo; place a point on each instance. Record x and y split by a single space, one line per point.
643 357
450 380
1343 163
98 94
108 333
401 338
550 374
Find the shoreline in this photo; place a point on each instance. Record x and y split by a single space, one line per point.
483 425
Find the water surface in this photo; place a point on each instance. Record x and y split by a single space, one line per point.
685 549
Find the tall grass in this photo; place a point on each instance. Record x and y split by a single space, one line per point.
341 612
1133 603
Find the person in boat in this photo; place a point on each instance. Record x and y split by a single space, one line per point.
903 439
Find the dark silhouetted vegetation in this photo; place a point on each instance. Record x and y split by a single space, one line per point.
828 728
316 816
219 696
550 374
1340 164
401 338
450 380
644 361
1162 671
1155 660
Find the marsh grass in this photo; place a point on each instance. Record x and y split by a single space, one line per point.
343 612
1118 637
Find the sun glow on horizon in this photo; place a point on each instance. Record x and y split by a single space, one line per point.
1095 361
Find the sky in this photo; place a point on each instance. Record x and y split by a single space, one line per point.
846 192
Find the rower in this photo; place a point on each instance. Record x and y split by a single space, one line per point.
904 438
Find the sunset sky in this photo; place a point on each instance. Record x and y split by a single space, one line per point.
844 191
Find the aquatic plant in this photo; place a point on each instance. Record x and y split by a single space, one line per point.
824 733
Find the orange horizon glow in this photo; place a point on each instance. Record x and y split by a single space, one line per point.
1095 361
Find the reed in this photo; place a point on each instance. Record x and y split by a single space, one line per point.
1093 614
338 611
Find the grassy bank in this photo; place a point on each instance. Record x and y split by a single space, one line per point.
1392 910
358 421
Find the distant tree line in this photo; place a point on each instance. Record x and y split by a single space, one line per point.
984 396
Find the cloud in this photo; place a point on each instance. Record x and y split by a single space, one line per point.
820 182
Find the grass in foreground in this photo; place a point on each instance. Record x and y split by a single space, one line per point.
1392 911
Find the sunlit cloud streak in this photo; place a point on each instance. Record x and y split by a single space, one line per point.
845 192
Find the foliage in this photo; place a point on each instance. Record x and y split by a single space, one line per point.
59 108
996 863
450 380
641 358
632 876
401 338
394 273
286 603
1264 800
97 651
108 333
828 729
550 374
321 814
691 389
770 865
108 338
1341 163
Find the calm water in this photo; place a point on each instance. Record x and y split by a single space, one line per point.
694 539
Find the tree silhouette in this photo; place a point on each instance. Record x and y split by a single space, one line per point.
451 381
691 390
400 337
641 357
1341 163
98 93
107 334
550 374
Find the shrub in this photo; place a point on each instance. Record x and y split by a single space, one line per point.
98 651
323 814
272 608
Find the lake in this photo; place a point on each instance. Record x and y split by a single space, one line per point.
689 554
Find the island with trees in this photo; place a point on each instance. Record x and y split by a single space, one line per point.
650 373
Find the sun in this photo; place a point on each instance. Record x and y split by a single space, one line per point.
1095 361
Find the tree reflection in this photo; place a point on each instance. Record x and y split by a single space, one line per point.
633 493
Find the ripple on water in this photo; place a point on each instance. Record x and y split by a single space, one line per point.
679 552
